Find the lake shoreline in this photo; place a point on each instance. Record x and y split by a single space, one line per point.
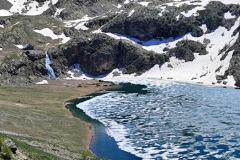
100 86
102 143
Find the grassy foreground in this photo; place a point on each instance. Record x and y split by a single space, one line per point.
37 120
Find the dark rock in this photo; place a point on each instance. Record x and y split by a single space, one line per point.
185 50
41 1
225 82
75 9
8 142
219 81
220 77
165 49
145 23
169 66
5 4
116 74
234 67
101 54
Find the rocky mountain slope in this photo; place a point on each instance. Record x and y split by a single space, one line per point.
187 40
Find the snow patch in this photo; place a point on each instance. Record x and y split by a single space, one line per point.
49 33
79 23
27 7
43 82
4 13
130 13
203 69
58 11
19 46
82 75
228 15
54 2
81 26
144 3
192 12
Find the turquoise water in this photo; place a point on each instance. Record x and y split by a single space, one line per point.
169 121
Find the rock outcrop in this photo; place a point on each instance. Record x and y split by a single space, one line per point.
146 23
100 54
185 50
9 143
97 55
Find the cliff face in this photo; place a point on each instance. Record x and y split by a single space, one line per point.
102 35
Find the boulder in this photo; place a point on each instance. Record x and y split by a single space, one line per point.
8 142
28 47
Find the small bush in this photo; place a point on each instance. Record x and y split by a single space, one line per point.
162 58
152 55
6 152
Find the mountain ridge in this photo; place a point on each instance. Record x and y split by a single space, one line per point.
167 34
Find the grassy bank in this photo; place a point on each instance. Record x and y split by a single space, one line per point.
35 116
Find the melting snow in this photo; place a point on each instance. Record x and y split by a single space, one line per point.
79 23
130 13
43 82
49 33
144 3
202 69
4 13
19 46
27 7
228 15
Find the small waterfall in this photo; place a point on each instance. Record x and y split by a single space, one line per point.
50 71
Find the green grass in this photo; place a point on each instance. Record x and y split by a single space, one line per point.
39 111
30 151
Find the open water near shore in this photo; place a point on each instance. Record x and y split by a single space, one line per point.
164 121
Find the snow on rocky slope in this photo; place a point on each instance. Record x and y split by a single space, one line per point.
27 7
219 42
203 69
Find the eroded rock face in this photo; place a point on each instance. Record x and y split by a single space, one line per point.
147 23
101 54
